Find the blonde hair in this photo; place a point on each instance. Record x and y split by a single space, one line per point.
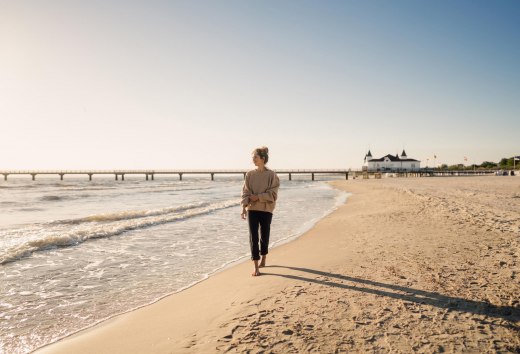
263 152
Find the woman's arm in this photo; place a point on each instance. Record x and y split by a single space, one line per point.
246 192
271 194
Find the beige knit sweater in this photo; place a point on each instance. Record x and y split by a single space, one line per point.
265 185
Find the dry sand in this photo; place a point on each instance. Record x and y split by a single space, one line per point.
406 265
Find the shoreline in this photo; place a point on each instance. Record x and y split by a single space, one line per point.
346 272
339 200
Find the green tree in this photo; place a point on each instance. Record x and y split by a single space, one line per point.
506 163
488 164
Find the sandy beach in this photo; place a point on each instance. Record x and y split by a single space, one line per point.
405 265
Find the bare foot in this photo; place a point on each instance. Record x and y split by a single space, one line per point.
256 272
262 262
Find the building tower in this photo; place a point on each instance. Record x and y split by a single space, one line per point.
368 156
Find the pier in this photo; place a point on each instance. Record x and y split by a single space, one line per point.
150 174
312 173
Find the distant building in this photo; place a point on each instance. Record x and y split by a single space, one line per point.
391 163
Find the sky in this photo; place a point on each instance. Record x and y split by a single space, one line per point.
105 84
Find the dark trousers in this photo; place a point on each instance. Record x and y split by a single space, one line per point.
256 219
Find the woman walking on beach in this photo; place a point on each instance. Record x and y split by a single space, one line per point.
259 195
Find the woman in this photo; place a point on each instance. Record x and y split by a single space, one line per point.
259 196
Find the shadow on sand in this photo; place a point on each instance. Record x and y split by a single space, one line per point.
508 313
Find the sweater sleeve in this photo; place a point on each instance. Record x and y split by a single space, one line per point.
246 192
271 194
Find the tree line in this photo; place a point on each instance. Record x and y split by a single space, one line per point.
504 164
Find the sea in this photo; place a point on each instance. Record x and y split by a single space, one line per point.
76 252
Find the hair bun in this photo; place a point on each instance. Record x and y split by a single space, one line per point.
262 152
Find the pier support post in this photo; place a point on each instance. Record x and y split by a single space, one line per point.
90 176
116 177
212 176
346 176
290 176
180 176
122 176
33 176
147 176
244 175
61 176
152 176
312 176
5 177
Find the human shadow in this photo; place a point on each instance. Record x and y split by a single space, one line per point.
509 313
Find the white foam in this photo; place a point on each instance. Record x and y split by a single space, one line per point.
59 234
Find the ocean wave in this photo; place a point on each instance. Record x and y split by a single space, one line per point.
88 188
129 214
114 191
53 198
9 203
58 198
26 209
50 236
19 186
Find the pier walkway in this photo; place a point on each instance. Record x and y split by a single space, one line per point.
150 174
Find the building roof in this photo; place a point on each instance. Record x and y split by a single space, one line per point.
393 158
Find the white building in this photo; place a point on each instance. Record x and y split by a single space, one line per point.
389 163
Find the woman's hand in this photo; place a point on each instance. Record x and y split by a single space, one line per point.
244 214
254 198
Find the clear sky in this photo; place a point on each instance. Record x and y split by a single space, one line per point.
198 84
